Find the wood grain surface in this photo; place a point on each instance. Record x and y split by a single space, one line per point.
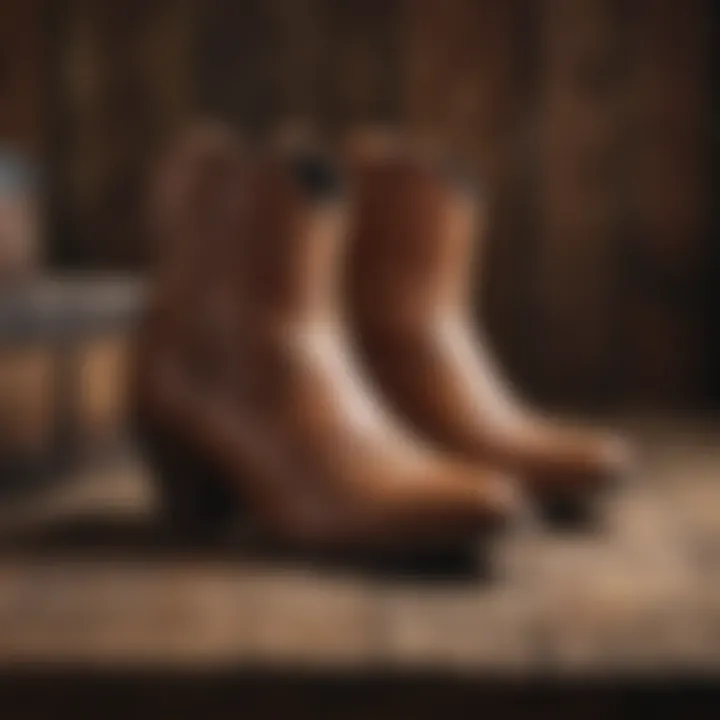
87 575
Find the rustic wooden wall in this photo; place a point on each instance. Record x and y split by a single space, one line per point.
589 120
126 76
23 73
332 62
668 126
576 179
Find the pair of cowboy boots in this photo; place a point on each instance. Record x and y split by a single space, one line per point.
308 354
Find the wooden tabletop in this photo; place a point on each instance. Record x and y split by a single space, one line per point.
87 576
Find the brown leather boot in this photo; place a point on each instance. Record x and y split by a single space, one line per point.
409 273
263 388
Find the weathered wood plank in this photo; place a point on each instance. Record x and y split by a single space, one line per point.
90 578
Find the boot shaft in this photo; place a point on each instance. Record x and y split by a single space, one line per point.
289 256
249 246
195 213
415 224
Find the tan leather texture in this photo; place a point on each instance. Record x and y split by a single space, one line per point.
246 355
417 227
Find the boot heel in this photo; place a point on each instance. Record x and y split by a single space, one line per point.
195 500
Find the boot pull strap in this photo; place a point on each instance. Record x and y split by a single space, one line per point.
316 175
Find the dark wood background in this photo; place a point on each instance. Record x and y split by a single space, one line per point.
589 119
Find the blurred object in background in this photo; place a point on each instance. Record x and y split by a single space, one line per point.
19 217
63 362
